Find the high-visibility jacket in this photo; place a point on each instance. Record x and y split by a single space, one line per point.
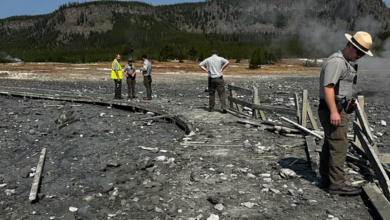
113 73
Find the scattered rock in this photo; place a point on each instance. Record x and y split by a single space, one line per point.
73 209
213 217
248 204
287 173
219 207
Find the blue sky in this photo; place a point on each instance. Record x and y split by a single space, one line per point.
33 7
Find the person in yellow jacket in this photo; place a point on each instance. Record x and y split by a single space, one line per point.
116 75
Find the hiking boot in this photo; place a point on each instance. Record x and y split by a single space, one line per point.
211 109
346 190
147 98
224 111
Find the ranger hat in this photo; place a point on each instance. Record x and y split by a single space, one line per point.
361 40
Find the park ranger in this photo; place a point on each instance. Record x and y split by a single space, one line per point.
337 77
116 75
130 73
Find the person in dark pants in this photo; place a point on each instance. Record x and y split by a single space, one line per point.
146 71
116 75
130 73
337 77
214 67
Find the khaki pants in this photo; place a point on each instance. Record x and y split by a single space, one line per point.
334 150
118 89
131 87
148 85
219 85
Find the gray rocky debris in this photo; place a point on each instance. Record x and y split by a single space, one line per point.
213 217
219 207
66 114
287 173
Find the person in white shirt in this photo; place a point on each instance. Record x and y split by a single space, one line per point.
214 67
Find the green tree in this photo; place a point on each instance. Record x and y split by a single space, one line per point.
192 53
128 49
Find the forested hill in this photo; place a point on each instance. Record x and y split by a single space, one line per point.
95 31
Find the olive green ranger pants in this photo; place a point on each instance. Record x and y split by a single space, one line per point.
131 87
334 150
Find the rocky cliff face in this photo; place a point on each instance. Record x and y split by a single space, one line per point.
217 16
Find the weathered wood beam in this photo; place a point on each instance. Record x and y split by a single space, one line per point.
256 101
311 117
380 173
296 99
273 109
233 94
245 91
37 177
380 203
240 102
310 152
302 128
305 104
364 123
156 117
361 104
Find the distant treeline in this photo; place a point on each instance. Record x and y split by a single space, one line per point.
41 43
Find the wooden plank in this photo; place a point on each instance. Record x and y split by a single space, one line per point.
302 128
364 123
99 101
355 159
361 104
310 152
240 102
296 99
245 91
237 114
305 103
380 203
256 101
212 145
273 109
311 117
358 149
37 177
156 117
384 158
234 95
253 122
380 173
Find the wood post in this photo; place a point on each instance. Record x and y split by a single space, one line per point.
296 99
234 95
256 101
306 110
310 152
